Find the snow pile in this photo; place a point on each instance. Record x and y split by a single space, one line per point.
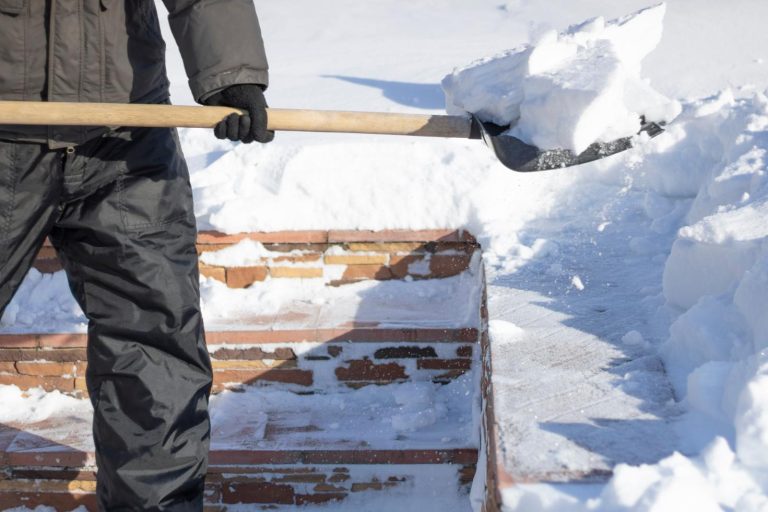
343 182
568 90
705 183
45 304
717 274
37 405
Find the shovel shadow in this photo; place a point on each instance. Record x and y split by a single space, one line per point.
410 94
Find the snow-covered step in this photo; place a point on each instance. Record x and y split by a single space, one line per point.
303 360
299 333
304 333
329 486
270 447
338 257
322 392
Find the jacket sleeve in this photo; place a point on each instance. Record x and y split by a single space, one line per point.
220 43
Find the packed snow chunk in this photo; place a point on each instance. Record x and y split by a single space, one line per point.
676 483
752 423
418 408
634 339
711 256
712 330
696 269
502 331
568 90
751 299
706 385
43 303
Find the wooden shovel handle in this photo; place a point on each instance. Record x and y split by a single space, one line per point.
160 116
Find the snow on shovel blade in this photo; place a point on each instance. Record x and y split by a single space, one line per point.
519 156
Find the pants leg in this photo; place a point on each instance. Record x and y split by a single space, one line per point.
126 235
29 194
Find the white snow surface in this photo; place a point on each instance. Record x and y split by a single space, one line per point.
44 303
568 90
682 216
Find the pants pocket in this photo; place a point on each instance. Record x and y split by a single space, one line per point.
154 189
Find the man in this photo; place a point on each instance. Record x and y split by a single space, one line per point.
117 205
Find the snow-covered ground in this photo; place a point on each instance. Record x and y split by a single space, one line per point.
680 220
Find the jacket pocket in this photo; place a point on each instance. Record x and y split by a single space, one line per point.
12 51
12 7
154 188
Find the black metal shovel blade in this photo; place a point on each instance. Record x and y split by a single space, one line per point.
519 156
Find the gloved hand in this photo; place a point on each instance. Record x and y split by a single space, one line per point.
245 128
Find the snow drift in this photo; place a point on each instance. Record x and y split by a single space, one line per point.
568 90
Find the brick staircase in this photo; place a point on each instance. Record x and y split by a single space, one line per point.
367 395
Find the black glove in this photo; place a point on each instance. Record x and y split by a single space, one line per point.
246 128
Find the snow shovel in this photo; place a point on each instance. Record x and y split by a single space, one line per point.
511 151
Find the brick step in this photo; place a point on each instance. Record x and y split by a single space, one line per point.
362 394
306 360
339 257
263 486
272 447
315 337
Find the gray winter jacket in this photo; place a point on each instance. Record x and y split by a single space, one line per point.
112 51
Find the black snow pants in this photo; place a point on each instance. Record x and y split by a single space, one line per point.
118 209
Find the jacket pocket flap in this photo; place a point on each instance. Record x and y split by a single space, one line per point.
106 4
12 7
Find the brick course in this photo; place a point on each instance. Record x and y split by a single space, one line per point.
370 255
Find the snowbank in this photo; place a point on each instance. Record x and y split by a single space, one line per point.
568 90
706 183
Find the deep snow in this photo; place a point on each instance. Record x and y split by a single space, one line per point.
568 90
687 209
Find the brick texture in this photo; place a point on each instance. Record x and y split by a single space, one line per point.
34 381
366 370
448 266
218 273
362 272
404 352
444 364
241 277
356 259
45 368
258 492
288 376
296 272
282 353
375 255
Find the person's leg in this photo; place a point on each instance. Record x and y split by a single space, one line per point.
30 184
128 246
